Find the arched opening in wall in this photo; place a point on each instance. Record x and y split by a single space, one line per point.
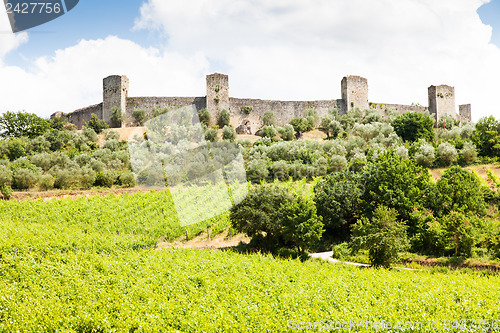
245 127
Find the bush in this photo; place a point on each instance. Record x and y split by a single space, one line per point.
300 125
425 155
460 190
5 176
276 218
247 109
268 132
211 135
90 134
257 170
469 152
6 192
337 163
280 170
412 126
25 179
487 136
47 182
228 133
268 119
112 145
312 117
64 178
107 178
447 122
286 132
382 235
140 116
116 117
341 251
459 233
204 117
16 148
224 119
98 125
87 177
447 154
402 152
126 179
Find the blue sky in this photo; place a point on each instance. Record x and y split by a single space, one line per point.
280 49
90 19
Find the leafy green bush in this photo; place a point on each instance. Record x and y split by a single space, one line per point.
90 134
268 119
459 190
16 148
459 233
286 132
140 116
19 124
268 132
126 179
64 178
116 117
87 177
204 117
229 133
47 182
487 136
300 125
106 178
447 154
447 122
224 119
382 235
98 125
425 156
277 218
25 179
257 170
211 135
469 152
412 126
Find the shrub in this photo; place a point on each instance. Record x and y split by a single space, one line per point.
300 125
38 145
6 192
127 179
247 109
426 155
257 170
469 152
140 116
312 117
268 132
204 117
25 179
112 145
268 119
286 132
87 177
64 178
90 134
460 191
5 176
116 117
16 148
447 122
402 152
459 233
228 133
412 126
98 125
382 235
487 136
224 119
447 154
279 170
334 128
276 218
337 163
47 182
211 135
83 159
107 178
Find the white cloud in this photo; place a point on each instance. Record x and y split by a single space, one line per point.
281 49
8 40
300 49
72 78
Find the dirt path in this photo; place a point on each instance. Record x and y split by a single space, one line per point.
59 194
202 242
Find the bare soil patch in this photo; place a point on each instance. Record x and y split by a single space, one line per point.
202 241
59 194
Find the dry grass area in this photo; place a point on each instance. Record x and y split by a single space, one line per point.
202 241
479 169
60 194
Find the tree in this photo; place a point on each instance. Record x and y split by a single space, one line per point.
98 125
204 117
211 135
18 124
268 118
447 122
224 119
412 126
487 136
469 152
277 218
286 132
447 154
116 117
300 125
268 132
382 235
460 190
228 133
140 116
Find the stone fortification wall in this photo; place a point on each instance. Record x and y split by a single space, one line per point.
81 116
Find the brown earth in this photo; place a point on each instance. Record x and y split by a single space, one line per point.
203 242
59 194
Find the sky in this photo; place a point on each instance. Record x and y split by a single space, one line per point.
271 49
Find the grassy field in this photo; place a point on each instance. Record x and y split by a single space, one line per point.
90 265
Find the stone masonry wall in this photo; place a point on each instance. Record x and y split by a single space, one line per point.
150 103
442 101
81 116
355 93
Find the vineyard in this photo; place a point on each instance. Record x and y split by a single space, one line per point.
90 265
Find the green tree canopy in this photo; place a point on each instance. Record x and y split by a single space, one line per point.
18 124
412 126
487 136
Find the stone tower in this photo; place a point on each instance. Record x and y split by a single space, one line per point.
465 112
442 101
217 94
115 93
355 93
